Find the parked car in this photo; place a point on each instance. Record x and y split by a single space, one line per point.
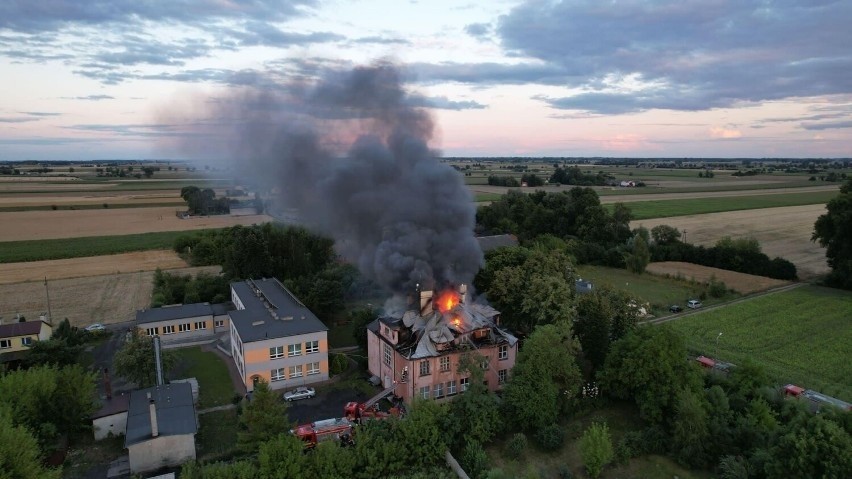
693 304
299 393
93 328
675 308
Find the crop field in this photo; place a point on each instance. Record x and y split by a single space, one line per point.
739 282
28 225
40 250
89 266
801 336
784 232
681 207
104 299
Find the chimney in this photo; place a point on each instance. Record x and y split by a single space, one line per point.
425 303
107 384
158 360
152 409
463 293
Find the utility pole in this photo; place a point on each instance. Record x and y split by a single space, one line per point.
47 293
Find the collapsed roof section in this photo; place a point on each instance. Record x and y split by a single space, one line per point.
433 331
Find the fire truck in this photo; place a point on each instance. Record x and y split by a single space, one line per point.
337 429
358 412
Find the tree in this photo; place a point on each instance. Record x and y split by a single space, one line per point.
263 418
135 361
282 456
833 231
639 256
604 316
596 448
474 416
811 446
665 234
649 365
545 377
690 433
20 456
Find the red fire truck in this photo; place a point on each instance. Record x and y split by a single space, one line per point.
358 412
337 429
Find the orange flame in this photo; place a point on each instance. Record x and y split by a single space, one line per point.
447 301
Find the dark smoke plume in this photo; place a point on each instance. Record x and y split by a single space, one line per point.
352 155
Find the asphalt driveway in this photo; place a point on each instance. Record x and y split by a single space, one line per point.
327 404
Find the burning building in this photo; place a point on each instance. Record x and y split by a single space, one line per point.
417 349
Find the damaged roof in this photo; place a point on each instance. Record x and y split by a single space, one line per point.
431 331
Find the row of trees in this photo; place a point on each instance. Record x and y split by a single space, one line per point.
573 175
833 231
305 262
174 288
204 202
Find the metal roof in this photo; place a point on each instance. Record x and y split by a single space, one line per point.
168 313
20 329
257 323
220 309
175 412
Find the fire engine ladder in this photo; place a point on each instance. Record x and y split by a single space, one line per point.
379 397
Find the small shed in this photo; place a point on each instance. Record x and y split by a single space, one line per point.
582 286
161 427
111 418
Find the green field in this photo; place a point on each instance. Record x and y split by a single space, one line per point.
659 291
38 250
487 197
697 206
801 336
177 202
217 435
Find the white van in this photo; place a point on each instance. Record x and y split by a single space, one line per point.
693 304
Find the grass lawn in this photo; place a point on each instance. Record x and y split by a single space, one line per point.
487 197
214 382
85 453
621 418
696 206
659 291
37 250
801 336
341 335
217 435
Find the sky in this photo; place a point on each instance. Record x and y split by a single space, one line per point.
122 79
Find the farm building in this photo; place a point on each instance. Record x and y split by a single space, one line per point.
185 323
275 337
161 427
16 338
418 349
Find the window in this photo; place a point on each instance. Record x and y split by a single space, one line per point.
503 352
277 374
201 325
451 388
219 323
313 368
501 376
168 330
424 392
439 390
276 352
26 341
484 363
387 353
424 368
294 350
311 347
5 343
295 371
445 364
465 383
152 331
183 327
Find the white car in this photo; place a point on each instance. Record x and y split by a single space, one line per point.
299 393
95 327
693 304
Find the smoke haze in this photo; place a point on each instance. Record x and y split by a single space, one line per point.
351 154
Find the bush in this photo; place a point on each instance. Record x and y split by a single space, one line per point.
565 472
474 460
623 451
516 446
550 437
339 364
717 289
596 448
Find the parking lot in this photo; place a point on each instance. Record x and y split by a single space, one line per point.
328 403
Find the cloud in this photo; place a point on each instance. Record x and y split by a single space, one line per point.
17 119
478 30
381 40
830 125
685 55
725 133
89 97
489 73
35 16
262 33
444 103
40 113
